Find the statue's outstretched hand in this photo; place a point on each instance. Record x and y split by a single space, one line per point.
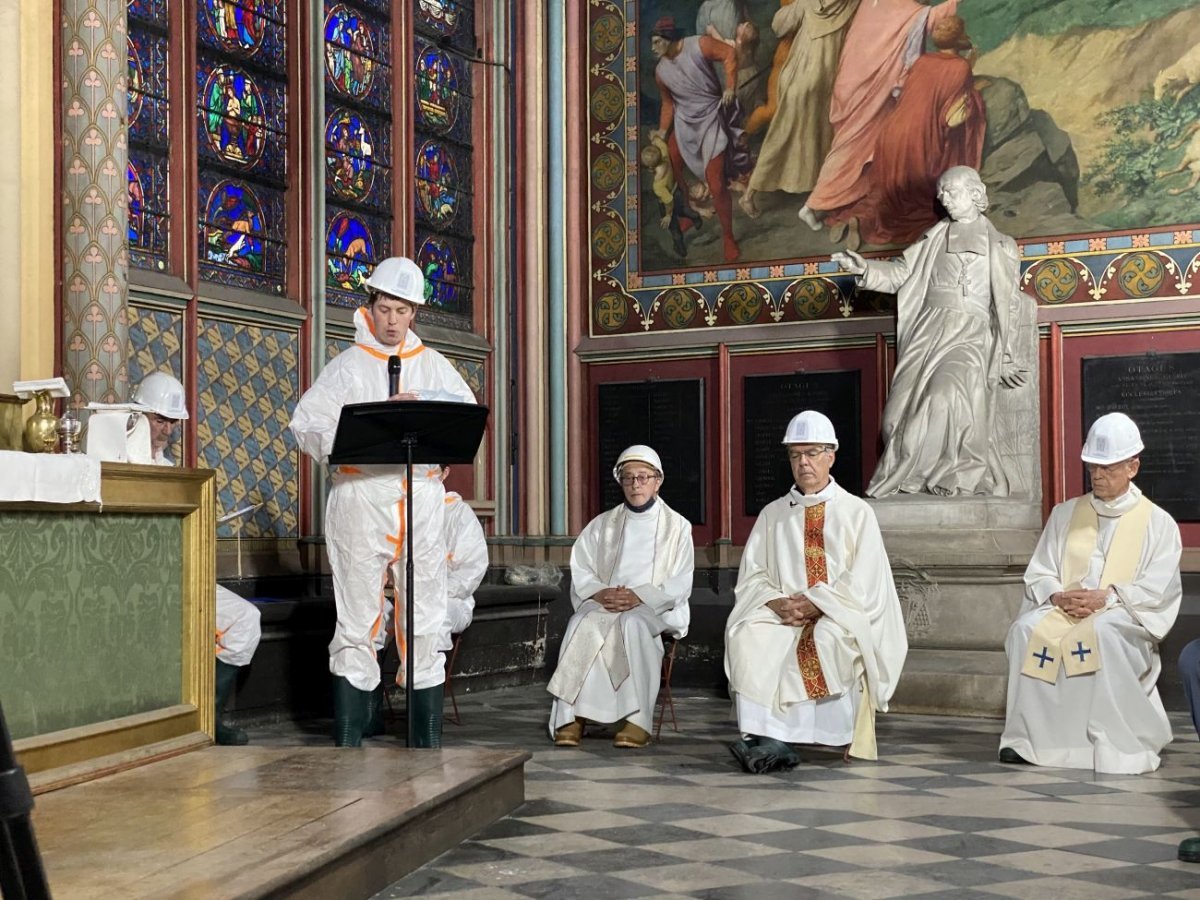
850 261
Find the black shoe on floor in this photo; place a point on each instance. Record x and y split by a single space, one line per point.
1012 757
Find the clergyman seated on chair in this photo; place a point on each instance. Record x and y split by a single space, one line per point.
815 642
1101 592
631 577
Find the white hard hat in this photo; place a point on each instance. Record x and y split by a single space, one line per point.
637 453
162 393
1112 438
810 427
400 277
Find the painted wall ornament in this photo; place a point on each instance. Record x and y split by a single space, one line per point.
1107 158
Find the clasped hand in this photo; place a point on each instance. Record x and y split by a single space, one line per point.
1080 603
794 610
617 599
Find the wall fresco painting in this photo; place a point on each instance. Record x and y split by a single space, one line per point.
734 144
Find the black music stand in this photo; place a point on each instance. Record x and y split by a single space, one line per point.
408 431
21 874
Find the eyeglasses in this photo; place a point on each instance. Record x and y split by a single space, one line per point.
808 454
1097 469
639 480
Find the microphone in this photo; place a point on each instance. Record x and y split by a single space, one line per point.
393 376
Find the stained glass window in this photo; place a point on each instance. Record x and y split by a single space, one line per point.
149 124
241 122
444 171
358 145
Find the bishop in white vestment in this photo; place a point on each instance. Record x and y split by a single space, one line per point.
816 641
631 577
1101 592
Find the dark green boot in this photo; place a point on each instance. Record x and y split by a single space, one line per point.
427 713
1189 850
349 713
375 724
227 735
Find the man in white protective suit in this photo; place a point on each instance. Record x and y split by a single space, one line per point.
238 620
466 563
365 515
815 642
631 577
1101 592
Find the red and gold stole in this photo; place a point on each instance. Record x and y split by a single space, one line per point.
814 568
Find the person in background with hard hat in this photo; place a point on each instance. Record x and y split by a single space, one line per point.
815 642
365 516
1101 592
631 577
162 396
238 620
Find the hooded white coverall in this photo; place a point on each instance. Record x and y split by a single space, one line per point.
365 517
466 564
239 626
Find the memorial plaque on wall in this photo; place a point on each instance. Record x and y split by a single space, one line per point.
1161 393
665 415
770 401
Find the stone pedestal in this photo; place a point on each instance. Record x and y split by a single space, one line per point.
958 564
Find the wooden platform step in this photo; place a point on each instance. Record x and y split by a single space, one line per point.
243 822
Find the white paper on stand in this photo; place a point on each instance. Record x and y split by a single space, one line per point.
106 435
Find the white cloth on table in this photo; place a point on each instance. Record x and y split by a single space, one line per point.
860 638
610 664
1111 720
238 628
365 518
48 478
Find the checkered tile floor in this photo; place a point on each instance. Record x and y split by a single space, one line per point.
936 816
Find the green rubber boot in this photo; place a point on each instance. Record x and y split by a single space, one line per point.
427 712
349 713
375 725
1189 850
227 735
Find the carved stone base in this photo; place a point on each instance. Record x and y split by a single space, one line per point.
959 566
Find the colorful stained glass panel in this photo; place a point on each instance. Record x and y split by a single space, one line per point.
443 195
437 84
148 104
353 244
446 262
247 28
452 19
242 119
358 158
241 233
153 11
358 56
147 176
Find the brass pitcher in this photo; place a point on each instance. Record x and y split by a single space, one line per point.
41 431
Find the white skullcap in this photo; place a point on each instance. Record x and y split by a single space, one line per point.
638 453
810 427
1112 438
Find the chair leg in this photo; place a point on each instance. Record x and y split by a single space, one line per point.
455 641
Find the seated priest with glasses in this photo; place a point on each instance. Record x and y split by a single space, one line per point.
631 577
815 642
1101 592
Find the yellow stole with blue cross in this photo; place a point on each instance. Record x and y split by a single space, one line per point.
1059 640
